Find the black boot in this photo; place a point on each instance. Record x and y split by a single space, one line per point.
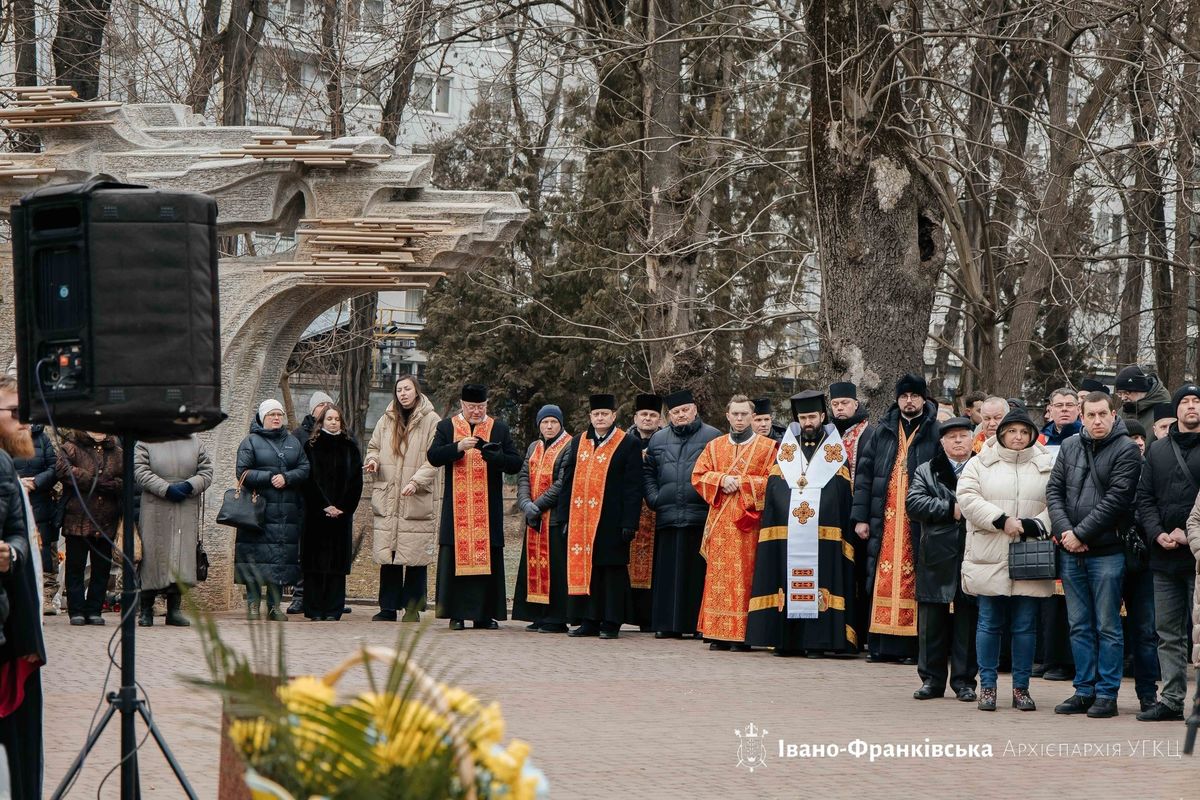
174 614
146 608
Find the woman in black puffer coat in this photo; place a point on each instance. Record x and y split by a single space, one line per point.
331 495
272 463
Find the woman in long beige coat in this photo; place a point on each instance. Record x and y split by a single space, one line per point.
406 499
1002 495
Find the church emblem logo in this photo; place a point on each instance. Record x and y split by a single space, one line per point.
752 749
787 452
804 512
833 453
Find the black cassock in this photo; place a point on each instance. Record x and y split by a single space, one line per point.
609 601
833 629
473 597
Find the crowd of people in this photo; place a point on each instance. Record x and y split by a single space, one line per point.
829 536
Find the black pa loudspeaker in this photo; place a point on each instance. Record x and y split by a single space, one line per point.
118 325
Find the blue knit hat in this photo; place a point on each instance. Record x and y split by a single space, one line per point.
550 411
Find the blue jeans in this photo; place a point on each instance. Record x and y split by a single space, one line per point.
995 615
1142 635
1092 585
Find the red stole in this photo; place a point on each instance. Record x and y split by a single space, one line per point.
472 525
641 551
587 501
850 439
537 540
894 605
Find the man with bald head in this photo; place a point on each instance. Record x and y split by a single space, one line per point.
991 412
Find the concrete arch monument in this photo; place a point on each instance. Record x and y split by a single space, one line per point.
402 232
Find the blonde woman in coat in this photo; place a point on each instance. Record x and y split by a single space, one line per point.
406 500
1002 495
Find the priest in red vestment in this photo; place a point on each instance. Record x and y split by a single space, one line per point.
475 450
731 476
602 491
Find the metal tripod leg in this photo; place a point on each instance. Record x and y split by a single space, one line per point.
77 764
166 751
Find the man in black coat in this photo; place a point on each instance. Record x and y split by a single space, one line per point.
1090 497
476 451
942 532
904 439
1166 494
38 477
680 514
601 501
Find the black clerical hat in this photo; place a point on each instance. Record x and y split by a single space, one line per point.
762 406
1165 411
679 397
474 393
1093 385
647 402
605 402
808 401
843 389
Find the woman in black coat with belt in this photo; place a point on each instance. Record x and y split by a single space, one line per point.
272 463
331 495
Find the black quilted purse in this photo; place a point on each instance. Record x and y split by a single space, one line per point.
1033 559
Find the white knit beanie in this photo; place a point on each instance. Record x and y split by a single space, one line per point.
267 406
317 398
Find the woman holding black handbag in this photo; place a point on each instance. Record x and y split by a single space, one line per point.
271 463
1002 494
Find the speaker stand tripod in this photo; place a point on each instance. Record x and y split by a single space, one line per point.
125 700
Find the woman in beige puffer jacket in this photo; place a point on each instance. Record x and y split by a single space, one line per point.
1193 537
406 499
1002 494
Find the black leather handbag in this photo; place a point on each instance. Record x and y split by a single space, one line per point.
246 510
1033 558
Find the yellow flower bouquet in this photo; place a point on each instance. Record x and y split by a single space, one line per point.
408 737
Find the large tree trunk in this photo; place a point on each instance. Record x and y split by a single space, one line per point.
404 65
76 47
355 378
242 35
670 268
879 239
331 64
208 57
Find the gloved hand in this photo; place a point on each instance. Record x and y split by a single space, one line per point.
491 450
533 520
628 534
1032 528
178 492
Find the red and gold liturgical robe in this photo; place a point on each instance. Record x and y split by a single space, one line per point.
894 604
731 531
472 528
537 540
587 503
